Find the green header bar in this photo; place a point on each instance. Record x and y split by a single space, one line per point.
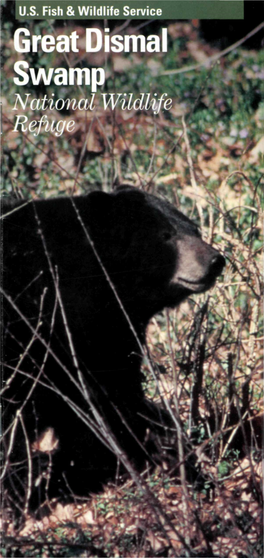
130 9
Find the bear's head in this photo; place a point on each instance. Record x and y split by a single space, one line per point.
151 248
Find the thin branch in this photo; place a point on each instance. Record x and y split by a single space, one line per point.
215 57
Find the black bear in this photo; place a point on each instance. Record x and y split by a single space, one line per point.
82 277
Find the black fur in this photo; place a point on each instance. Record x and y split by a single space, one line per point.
82 278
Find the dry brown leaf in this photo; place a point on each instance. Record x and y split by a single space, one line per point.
257 151
94 143
47 442
197 53
86 518
210 167
40 159
155 542
121 64
67 162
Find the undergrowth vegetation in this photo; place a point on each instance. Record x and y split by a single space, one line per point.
206 155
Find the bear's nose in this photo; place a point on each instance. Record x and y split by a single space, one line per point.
217 264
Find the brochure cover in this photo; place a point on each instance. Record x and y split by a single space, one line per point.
132 167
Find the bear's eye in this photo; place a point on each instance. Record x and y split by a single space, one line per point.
167 235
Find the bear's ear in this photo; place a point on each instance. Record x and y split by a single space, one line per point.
130 197
128 190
